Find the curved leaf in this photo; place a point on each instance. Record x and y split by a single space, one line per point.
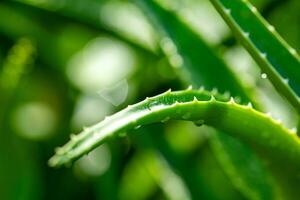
273 55
200 65
255 128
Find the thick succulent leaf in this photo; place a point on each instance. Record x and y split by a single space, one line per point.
274 56
202 66
264 134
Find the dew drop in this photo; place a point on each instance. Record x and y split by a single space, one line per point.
168 46
253 9
246 34
293 51
176 60
227 95
286 81
137 127
186 116
271 28
264 76
165 119
199 122
263 55
227 11
122 134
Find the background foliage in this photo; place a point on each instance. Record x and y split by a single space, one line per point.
66 64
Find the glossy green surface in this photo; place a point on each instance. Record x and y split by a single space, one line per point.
200 107
274 56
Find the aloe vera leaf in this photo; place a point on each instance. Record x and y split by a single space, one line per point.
83 12
255 128
274 56
267 136
201 65
199 62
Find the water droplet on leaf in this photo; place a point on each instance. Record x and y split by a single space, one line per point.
137 127
122 134
199 122
264 76
165 119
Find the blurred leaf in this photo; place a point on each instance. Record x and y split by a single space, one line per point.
205 68
269 50
201 108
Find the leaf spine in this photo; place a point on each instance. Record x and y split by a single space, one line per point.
263 55
212 98
231 101
190 87
195 99
249 105
202 88
214 91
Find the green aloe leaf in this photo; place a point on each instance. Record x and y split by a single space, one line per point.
200 65
274 56
264 134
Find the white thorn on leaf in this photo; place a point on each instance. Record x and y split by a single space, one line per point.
227 94
202 88
263 55
168 91
237 99
231 101
214 91
249 105
227 11
246 34
195 99
286 81
190 87
212 98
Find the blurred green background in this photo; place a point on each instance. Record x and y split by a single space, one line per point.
66 64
